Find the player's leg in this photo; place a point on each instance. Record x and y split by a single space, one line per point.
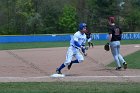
91 44
114 51
123 61
69 56
90 40
88 44
74 61
121 57
79 58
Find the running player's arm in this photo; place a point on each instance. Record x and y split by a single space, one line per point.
82 46
77 44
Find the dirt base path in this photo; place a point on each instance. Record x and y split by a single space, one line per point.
36 65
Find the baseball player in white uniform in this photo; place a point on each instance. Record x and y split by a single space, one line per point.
77 44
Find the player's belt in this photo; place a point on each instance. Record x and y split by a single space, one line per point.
74 46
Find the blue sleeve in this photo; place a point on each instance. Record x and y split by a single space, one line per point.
77 44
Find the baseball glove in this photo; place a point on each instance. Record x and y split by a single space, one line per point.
107 47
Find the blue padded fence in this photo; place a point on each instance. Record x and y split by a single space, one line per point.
56 38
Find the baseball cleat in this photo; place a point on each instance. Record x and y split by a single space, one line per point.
58 71
118 68
69 66
125 65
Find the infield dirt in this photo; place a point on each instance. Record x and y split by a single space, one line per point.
36 65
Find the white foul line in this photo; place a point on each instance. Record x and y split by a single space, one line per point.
43 77
107 76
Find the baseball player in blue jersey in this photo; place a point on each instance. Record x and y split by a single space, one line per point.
114 39
77 44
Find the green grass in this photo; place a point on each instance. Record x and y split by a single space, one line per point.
70 87
9 46
133 60
130 42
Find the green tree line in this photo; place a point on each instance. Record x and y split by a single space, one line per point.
63 16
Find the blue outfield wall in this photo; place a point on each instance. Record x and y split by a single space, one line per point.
34 38
56 38
125 36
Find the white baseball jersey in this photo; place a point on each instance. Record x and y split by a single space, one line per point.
80 38
72 50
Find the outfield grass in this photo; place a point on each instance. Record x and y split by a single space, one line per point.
9 46
133 60
70 87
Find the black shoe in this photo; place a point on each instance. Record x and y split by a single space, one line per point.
125 65
58 71
118 68
69 66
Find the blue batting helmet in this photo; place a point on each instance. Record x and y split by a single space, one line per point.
82 25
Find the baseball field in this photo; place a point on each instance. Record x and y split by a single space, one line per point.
26 68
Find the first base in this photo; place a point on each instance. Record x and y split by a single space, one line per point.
57 75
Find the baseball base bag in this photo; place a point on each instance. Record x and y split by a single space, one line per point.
107 47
